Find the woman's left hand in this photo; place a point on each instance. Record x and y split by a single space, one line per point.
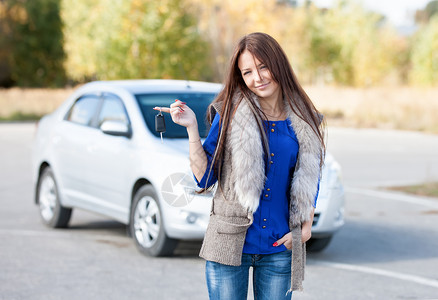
286 240
306 233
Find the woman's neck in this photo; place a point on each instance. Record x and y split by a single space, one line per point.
273 108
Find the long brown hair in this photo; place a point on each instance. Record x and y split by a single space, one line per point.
267 50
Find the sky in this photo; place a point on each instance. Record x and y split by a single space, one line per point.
398 12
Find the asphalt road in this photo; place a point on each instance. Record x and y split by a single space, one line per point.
388 248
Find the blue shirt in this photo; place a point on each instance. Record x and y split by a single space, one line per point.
271 219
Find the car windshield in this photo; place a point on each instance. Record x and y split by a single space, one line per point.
198 102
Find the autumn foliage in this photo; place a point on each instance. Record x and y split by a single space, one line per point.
53 42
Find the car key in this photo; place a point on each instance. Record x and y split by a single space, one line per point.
160 125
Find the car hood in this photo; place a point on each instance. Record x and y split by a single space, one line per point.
178 147
171 151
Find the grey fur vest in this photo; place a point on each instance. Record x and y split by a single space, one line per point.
243 178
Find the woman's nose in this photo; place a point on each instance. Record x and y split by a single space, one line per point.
258 76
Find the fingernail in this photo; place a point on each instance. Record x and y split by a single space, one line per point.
176 100
183 103
275 244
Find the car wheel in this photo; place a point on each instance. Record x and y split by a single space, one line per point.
318 244
52 212
147 226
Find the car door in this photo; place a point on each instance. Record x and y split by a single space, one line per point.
112 158
72 142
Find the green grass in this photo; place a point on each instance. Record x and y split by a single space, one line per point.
429 189
20 116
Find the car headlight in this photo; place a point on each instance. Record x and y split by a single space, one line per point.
334 172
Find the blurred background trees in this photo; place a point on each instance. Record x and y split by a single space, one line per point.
424 55
32 43
47 42
133 39
345 45
424 15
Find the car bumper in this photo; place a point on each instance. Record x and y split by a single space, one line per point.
189 222
330 219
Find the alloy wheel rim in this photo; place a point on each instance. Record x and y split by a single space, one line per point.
47 198
147 221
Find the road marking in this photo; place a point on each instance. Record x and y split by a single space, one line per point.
374 271
348 267
394 196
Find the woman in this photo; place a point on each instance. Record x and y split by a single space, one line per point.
265 149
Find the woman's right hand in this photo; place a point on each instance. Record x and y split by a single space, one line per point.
181 114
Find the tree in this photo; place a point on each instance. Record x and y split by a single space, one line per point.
424 55
424 15
35 42
5 47
351 46
133 39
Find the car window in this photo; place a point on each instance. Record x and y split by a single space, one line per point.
83 110
198 102
112 109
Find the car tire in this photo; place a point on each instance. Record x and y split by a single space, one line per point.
146 224
318 244
52 213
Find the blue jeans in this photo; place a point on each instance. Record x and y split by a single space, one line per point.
271 277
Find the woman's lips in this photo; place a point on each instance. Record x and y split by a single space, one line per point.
262 86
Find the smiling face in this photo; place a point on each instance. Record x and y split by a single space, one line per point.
257 77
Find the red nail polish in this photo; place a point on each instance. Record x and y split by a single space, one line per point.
183 103
275 244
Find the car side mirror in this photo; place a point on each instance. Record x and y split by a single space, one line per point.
116 127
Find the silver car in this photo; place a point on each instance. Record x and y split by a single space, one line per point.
99 151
